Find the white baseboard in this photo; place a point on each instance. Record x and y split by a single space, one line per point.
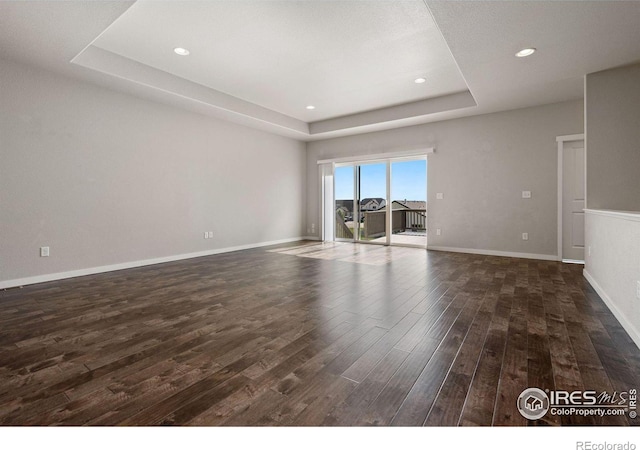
310 238
132 264
475 251
628 326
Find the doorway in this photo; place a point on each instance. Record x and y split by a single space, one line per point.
571 198
409 202
381 202
371 191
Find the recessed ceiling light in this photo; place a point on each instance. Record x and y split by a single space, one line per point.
525 52
311 107
420 80
181 51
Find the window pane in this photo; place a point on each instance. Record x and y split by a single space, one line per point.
409 202
344 179
373 194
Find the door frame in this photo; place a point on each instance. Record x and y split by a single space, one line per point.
561 141
388 159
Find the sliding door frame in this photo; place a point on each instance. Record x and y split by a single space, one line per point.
355 201
355 163
356 236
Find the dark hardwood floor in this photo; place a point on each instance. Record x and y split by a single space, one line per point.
309 334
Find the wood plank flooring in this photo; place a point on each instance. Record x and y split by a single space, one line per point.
309 334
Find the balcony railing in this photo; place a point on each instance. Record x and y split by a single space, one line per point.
342 230
401 220
373 223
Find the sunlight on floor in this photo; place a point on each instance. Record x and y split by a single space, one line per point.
375 255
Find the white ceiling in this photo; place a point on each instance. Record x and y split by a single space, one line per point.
342 57
573 38
51 33
266 60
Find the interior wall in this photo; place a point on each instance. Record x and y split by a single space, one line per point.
613 139
481 165
612 264
104 178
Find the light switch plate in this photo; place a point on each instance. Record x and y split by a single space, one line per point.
44 251
525 236
526 194
438 231
439 196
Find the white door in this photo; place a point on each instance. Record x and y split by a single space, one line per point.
573 202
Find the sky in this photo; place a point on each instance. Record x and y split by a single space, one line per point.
408 181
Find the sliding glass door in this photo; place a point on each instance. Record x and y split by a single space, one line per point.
344 206
381 202
409 202
372 202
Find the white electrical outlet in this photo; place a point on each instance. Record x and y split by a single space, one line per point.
439 195
526 194
210 234
638 289
525 236
206 235
438 231
44 251
313 227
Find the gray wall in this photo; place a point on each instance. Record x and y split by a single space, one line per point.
481 165
613 139
105 178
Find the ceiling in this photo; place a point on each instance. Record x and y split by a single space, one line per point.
572 38
260 63
285 55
